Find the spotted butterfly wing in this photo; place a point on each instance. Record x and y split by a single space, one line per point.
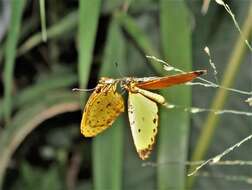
103 107
143 118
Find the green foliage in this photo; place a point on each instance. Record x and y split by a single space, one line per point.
88 21
175 132
10 54
34 178
63 27
108 174
40 143
43 19
29 118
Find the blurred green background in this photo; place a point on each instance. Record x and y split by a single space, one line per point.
49 47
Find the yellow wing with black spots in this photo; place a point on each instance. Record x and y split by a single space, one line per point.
103 107
143 117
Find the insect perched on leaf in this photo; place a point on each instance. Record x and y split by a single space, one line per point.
105 104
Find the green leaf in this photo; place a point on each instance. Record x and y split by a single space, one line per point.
174 124
65 25
108 147
140 37
88 21
37 91
10 54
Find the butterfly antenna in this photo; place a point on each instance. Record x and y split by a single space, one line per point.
118 69
83 89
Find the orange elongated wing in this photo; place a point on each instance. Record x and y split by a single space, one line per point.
164 82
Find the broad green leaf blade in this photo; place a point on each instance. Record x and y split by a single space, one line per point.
108 146
28 119
88 21
10 54
108 157
174 124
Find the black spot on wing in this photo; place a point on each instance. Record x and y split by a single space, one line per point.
108 105
154 120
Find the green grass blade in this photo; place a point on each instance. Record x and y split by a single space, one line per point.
139 36
28 119
88 21
43 19
108 147
37 91
65 25
133 29
174 124
10 54
31 94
